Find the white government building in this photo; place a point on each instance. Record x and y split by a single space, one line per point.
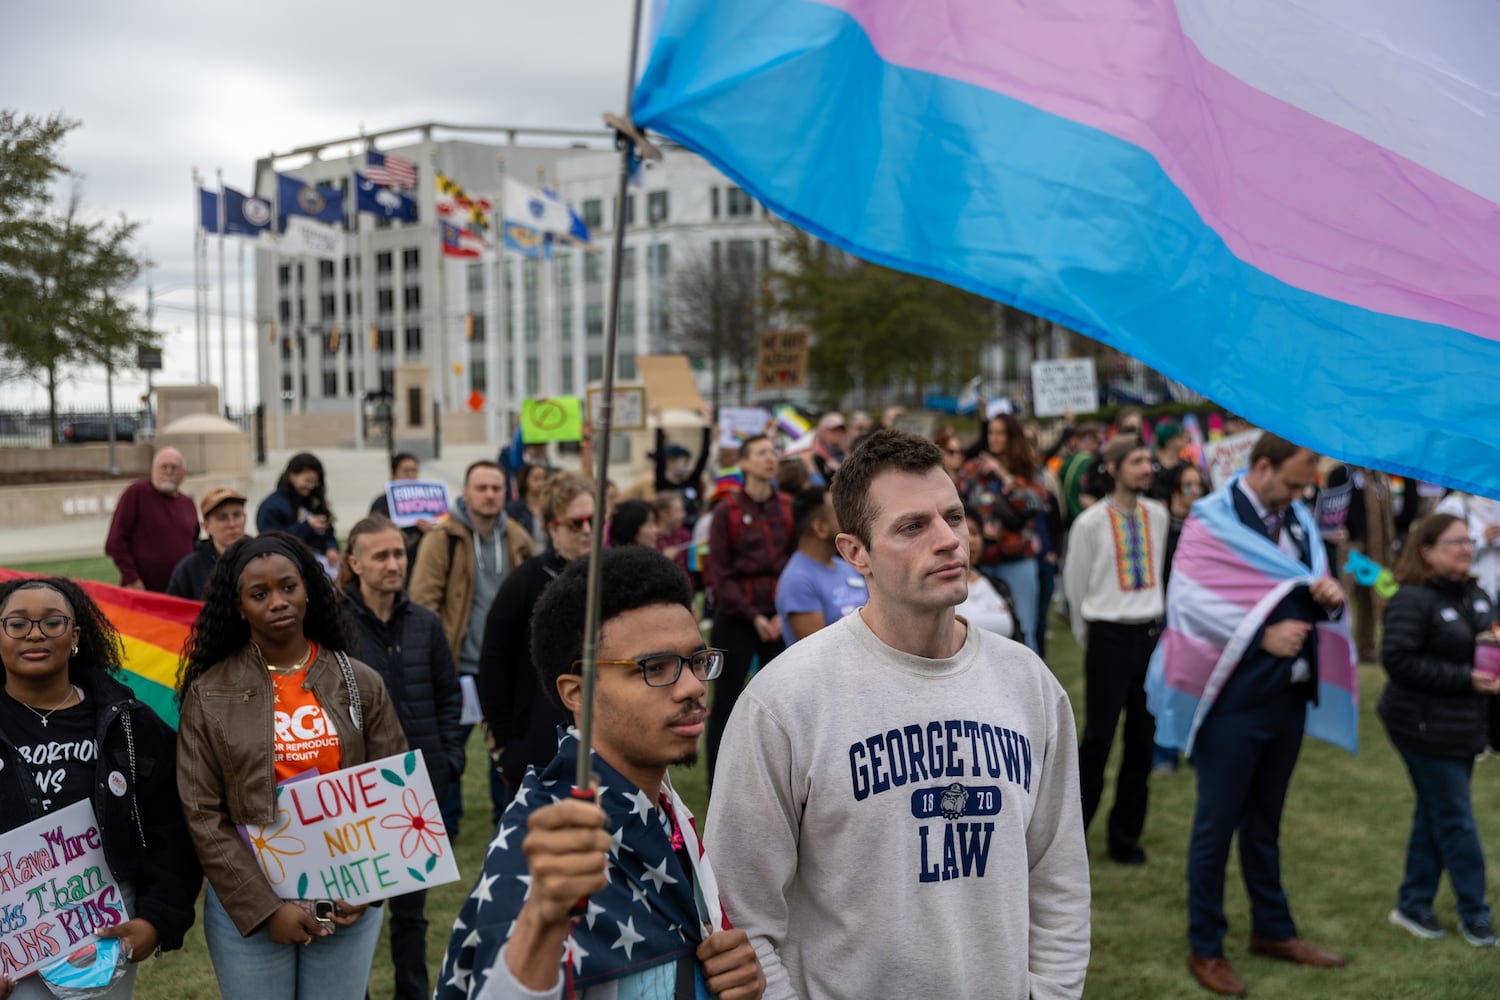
441 312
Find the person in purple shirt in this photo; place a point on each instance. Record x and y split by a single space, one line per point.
154 526
816 588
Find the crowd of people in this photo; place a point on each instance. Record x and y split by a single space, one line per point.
876 606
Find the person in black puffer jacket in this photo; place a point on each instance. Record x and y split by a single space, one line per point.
71 731
1436 712
405 644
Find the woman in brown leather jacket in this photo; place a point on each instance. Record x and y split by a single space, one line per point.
267 694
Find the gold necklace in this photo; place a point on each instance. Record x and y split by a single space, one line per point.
307 656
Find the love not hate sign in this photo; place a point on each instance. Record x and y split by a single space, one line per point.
56 890
361 834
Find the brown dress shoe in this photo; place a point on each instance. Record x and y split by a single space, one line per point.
1215 975
1296 950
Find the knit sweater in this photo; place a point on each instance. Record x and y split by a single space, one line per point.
150 533
903 826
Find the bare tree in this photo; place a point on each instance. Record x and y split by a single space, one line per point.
716 315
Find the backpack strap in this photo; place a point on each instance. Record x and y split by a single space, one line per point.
356 707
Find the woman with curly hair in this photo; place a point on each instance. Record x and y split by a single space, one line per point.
64 707
299 507
268 693
1000 482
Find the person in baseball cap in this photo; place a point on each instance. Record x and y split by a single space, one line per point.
223 512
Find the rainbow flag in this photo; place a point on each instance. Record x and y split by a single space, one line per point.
1291 207
726 481
1225 581
153 628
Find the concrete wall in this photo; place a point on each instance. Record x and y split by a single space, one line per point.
133 460
305 431
31 506
173 402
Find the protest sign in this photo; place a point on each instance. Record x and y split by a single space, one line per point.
736 423
1333 509
782 363
556 418
361 834
413 500
628 412
1062 385
56 890
1229 455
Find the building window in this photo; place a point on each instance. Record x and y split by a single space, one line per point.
476 279
349 382
330 383
325 268
627 316
629 210
531 324
593 268
741 255
567 374
351 303
286 349
593 213
713 201
627 265
478 375
385 339
738 203
565 316
656 207
383 262
414 340
411 258
329 303
596 366
565 270
351 267
533 377
593 320
411 298
286 383
385 300
663 263
284 278
476 327
284 311
528 273
627 365
387 381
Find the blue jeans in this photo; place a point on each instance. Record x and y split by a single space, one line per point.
1021 577
336 967
1443 836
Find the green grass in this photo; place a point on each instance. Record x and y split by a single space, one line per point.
97 568
1343 836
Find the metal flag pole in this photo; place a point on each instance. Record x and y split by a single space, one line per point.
629 141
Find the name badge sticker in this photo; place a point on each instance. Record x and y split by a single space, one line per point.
1448 615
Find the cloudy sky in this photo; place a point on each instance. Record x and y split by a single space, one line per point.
161 87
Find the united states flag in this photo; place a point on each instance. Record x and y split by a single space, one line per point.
390 171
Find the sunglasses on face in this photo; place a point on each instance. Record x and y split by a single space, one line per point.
575 524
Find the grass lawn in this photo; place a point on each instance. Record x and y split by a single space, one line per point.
1343 837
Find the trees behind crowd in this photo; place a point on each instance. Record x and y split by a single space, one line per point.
62 275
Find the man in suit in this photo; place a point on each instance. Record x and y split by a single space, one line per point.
1247 746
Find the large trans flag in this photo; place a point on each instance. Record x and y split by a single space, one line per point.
1289 206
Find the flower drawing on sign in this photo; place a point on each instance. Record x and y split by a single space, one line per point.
421 825
272 844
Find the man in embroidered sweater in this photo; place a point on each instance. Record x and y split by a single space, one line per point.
654 926
1113 579
900 756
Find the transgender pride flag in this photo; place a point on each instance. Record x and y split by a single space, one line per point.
1290 206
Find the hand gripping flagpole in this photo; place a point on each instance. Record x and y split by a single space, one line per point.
629 140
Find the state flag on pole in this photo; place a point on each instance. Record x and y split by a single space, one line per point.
460 242
298 197
208 210
245 215
382 201
543 211
390 171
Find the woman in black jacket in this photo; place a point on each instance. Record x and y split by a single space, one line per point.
69 731
299 507
405 644
1435 710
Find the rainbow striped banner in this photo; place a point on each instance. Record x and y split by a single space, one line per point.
1291 207
153 628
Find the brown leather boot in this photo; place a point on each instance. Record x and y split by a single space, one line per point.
1215 975
1296 950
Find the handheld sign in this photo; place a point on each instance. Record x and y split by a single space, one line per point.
1229 455
360 834
413 500
556 418
1058 386
56 890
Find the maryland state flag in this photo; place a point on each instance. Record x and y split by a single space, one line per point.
154 628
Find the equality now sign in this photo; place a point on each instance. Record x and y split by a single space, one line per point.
361 834
56 890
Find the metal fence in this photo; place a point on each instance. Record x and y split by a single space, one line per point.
33 428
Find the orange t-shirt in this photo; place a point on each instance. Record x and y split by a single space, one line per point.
306 737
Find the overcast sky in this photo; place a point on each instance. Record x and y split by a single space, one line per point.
162 87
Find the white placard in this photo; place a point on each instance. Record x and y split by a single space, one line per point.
361 834
56 890
1063 385
1227 456
629 411
736 423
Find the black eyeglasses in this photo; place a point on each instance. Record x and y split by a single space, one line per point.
19 626
663 669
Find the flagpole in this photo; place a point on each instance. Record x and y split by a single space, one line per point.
277 331
440 383
357 354
223 299
198 238
244 342
590 666
494 333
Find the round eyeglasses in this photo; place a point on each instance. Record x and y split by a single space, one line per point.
663 669
19 626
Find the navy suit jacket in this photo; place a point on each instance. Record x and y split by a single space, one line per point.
1260 677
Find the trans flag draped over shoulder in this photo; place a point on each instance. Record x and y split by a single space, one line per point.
1293 208
649 904
1225 581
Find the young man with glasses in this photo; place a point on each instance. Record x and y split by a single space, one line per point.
651 924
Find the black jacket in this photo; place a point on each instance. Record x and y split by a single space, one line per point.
411 654
190 577
522 717
1427 649
146 840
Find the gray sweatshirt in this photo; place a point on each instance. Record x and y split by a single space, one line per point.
885 825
